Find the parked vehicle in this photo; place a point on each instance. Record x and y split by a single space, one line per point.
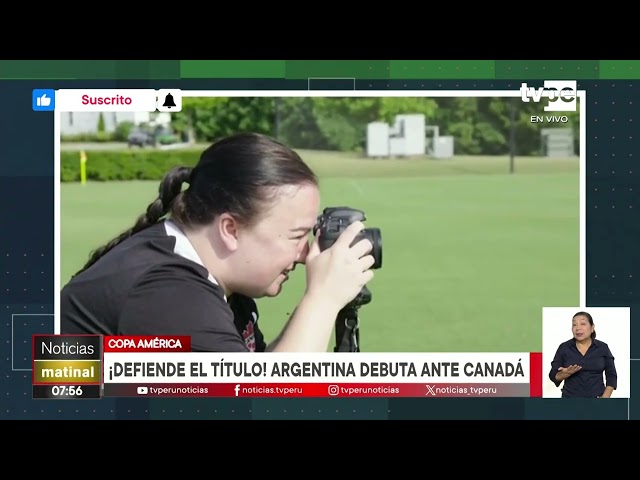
141 139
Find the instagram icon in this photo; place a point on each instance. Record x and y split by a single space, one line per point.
333 390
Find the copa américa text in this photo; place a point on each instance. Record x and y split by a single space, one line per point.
145 343
314 369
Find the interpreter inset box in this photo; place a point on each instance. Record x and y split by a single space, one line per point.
586 352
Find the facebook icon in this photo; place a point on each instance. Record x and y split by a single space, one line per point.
43 100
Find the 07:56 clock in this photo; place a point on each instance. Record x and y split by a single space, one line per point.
66 391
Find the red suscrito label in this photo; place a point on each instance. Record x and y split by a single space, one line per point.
148 343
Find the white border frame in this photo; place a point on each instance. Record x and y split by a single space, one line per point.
581 95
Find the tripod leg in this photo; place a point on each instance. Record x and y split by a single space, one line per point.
347 331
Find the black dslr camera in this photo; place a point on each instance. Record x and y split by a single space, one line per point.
332 222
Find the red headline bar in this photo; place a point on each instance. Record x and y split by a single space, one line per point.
156 343
467 390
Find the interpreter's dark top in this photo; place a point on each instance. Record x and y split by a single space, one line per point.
588 381
154 283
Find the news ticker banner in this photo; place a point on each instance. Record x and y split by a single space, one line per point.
164 366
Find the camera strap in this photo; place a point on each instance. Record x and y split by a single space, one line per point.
347 334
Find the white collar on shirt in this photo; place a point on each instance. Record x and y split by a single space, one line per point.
184 248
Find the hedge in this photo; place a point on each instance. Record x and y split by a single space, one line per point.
103 166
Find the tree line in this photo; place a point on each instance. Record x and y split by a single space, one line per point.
479 125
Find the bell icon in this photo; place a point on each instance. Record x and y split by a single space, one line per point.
168 101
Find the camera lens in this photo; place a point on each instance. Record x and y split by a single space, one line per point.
375 237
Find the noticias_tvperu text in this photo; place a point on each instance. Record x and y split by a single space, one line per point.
187 367
131 100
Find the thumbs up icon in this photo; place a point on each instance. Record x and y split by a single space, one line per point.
43 100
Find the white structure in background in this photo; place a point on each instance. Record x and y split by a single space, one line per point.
75 123
558 142
407 137
441 146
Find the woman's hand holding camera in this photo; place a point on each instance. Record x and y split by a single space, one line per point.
337 274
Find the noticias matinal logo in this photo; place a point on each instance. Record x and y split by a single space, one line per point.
561 94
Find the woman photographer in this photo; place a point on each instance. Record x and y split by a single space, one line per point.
194 262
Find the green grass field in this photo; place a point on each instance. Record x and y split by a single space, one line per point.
471 253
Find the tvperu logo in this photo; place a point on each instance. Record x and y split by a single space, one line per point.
561 95
237 390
